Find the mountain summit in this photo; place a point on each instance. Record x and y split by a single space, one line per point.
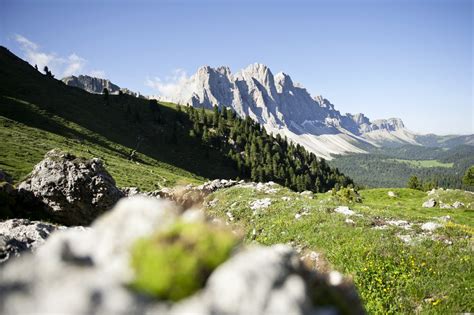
288 109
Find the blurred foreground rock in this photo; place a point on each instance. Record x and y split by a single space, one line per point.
88 271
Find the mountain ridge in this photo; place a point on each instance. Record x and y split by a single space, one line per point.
284 107
96 85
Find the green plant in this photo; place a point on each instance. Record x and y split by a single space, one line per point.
468 178
175 263
346 194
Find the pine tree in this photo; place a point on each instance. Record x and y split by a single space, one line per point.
414 183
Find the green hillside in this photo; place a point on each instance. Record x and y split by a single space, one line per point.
143 143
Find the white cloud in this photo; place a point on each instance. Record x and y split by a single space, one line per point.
97 73
59 66
74 64
170 85
25 42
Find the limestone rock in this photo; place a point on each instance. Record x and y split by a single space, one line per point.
18 235
430 203
70 190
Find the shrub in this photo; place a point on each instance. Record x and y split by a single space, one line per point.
346 194
174 264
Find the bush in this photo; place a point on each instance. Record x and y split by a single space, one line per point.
346 194
176 263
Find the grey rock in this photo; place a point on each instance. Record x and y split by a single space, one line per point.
18 235
97 85
91 84
70 190
430 203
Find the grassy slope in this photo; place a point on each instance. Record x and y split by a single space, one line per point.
39 113
392 277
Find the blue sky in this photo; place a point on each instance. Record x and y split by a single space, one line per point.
407 58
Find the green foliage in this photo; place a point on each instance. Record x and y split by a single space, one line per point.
346 195
468 178
175 263
414 183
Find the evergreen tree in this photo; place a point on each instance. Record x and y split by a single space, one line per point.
105 93
414 183
468 178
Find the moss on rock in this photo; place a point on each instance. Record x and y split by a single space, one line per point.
175 263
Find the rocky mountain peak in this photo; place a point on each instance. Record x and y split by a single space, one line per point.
91 84
280 105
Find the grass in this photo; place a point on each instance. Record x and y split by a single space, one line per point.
424 163
428 275
22 147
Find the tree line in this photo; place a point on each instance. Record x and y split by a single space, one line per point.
260 156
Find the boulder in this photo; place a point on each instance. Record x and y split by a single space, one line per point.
18 235
88 272
69 190
430 203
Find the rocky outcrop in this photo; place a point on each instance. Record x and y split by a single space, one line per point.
91 84
69 190
88 272
97 85
19 235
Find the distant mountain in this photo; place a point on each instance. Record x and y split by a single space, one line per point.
96 85
288 109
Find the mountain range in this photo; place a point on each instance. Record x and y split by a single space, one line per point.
286 108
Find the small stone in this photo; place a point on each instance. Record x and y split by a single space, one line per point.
344 210
430 226
431 203
458 205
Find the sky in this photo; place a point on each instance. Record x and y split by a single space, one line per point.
411 59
